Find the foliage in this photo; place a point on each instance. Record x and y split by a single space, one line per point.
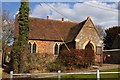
54 66
15 56
78 58
111 34
39 62
20 47
75 59
32 62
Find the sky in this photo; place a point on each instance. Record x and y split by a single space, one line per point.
101 13
60 0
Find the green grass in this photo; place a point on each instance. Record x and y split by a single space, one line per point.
93 76
112 70
77 76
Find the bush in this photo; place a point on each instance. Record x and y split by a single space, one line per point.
41 62
53 67
78 58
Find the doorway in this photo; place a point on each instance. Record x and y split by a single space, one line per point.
89 48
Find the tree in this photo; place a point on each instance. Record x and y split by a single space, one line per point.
111 34
7 27
20 48
100 31
6 33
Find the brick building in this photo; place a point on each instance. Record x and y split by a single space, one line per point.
48 36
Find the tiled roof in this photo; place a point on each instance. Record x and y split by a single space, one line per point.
46 29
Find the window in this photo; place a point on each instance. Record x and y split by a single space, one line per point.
99 49
56 49
34 48
29 47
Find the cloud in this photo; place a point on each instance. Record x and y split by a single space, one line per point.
105 14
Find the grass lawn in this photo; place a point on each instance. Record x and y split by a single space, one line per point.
112 70
93 76
83 76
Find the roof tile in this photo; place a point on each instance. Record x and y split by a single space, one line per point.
44 29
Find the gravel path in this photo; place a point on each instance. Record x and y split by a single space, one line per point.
109 66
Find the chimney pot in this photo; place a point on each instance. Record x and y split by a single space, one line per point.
47 17
62 19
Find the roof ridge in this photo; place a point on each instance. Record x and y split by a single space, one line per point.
55 20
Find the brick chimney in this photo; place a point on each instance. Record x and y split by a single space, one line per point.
47 17
62 19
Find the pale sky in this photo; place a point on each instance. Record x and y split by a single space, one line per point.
102 13
105 14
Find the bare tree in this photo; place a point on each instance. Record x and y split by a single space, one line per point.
6 33
101 30
7 27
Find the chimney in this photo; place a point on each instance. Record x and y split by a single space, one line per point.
47 17
62 19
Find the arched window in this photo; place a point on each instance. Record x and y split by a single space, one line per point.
60 48
56 49
34 48
30 47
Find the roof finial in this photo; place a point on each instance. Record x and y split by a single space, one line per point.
88 17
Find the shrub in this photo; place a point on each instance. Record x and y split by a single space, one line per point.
53 67
78 58
41 62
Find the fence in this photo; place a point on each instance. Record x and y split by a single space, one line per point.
59 74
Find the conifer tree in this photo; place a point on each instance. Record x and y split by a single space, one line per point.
111 34
20 47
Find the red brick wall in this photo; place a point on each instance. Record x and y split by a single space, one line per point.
44 46
48 47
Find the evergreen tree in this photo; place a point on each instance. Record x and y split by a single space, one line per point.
111 34
20 47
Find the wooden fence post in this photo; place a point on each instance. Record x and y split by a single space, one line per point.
98 75
59 74
11 75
